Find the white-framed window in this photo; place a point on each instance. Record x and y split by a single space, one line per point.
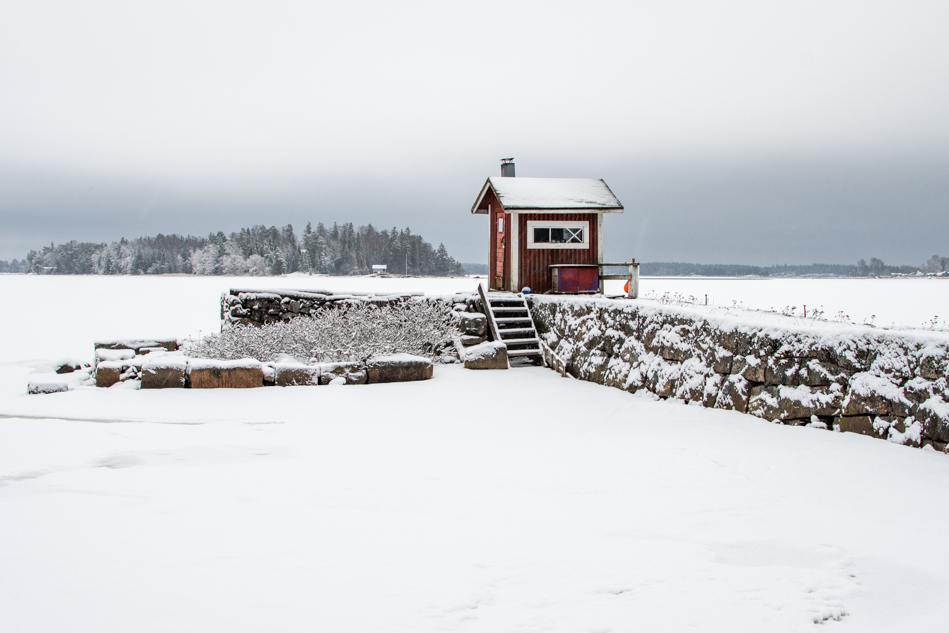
558 234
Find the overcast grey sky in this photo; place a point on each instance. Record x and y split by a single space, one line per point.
740 132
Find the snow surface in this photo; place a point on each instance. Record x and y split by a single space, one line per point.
897 302
475 501
554 193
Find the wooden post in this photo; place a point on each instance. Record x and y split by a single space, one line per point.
633 280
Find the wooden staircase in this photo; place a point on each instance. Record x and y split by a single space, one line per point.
510 322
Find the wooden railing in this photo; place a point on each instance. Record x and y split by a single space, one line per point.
632 278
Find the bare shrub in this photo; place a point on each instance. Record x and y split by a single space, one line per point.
348 332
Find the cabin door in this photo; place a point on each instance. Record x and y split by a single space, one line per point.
499 252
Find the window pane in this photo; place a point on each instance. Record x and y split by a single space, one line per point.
541 236
556 235
575 236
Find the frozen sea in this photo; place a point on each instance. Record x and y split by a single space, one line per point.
476 501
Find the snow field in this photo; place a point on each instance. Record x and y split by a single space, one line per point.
898 303
559 505
475 501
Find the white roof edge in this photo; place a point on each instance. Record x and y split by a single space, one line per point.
484 190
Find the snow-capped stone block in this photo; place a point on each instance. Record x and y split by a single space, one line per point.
68 366
354 373
860 424
874 395
108 373
164 372
469 340
399 368
750 368
488 355
933 414
793 403
733 394
167 343
46 385
225 374
473 323
292 374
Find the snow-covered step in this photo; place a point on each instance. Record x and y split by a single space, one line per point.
518 341
516 330
513 320
521 309
504 296
524 352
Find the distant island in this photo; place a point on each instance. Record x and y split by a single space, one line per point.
258 250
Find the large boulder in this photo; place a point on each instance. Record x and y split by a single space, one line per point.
489 355
353 373
225 374
164 373
295 374
399 368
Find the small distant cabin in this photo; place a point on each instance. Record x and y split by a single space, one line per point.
379 269
542 227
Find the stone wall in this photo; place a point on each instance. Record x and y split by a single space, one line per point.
881 383
257 307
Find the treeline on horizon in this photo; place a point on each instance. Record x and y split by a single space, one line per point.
258 250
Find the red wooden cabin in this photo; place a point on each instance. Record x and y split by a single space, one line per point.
545 226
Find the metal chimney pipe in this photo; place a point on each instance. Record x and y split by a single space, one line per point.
507 167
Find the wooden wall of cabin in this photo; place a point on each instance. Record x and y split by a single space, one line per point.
534 272
491 201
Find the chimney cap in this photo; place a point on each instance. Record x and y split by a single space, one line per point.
507 167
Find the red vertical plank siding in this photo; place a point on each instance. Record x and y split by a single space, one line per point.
495 206
534 272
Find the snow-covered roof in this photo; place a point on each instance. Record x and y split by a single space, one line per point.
550 194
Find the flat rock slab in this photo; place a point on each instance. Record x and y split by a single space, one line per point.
399 368
168 344
217 374
490 355
164 373
294 374
105 354
46 386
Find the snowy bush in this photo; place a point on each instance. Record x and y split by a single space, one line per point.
348 332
